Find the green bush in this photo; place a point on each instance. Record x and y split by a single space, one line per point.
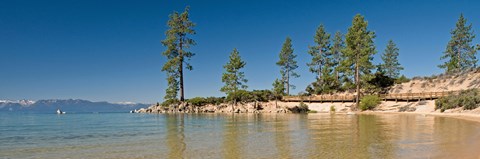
380 83
262 95
251 96
200 101
170 102
215 100
332 108
197 101
369 102
402 79
468 99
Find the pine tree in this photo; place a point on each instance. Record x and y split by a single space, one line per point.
278 90
337 48
322 64
319 51
233 77
287 64
341 77
177 42
460 53
391 67
359 53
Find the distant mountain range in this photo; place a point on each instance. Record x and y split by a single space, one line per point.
67 105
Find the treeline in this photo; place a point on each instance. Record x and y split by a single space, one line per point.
340 63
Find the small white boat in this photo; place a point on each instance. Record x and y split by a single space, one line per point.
60 112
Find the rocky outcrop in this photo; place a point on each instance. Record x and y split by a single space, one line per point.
254 107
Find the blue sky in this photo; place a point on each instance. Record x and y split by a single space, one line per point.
111 51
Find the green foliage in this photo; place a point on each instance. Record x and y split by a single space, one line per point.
177 42
468 99
214 100
391 67
240 96
262 95
200 101
460 53
401 79
173 85
380 83
244 96
278 89
337 57
359 52
324 61
369 102
332 109
320 52
170 102
233 78
197 101
287 64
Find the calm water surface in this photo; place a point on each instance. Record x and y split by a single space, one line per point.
117 135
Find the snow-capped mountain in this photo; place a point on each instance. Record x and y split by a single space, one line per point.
68 105
23 102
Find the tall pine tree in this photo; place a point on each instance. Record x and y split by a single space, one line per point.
359 53
177 42
287 64
233 77
391 67
319 51
322 64
337 53
460 53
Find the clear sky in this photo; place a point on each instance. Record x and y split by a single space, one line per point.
111 51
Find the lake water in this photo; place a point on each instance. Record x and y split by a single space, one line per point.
122 135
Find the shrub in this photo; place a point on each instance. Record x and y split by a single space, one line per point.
380 83
201 101
332 108
251 96
468 99
262 95
197 101
215 100
369 102
170 102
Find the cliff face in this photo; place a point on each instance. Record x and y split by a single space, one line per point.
439 83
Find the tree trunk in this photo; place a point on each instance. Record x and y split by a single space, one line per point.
357 81
180 71
459 62
288 82
320 68
336 76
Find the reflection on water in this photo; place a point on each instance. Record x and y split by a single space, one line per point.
237 136
231 138
175 136
282 138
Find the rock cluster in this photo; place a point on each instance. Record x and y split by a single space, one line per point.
254 107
